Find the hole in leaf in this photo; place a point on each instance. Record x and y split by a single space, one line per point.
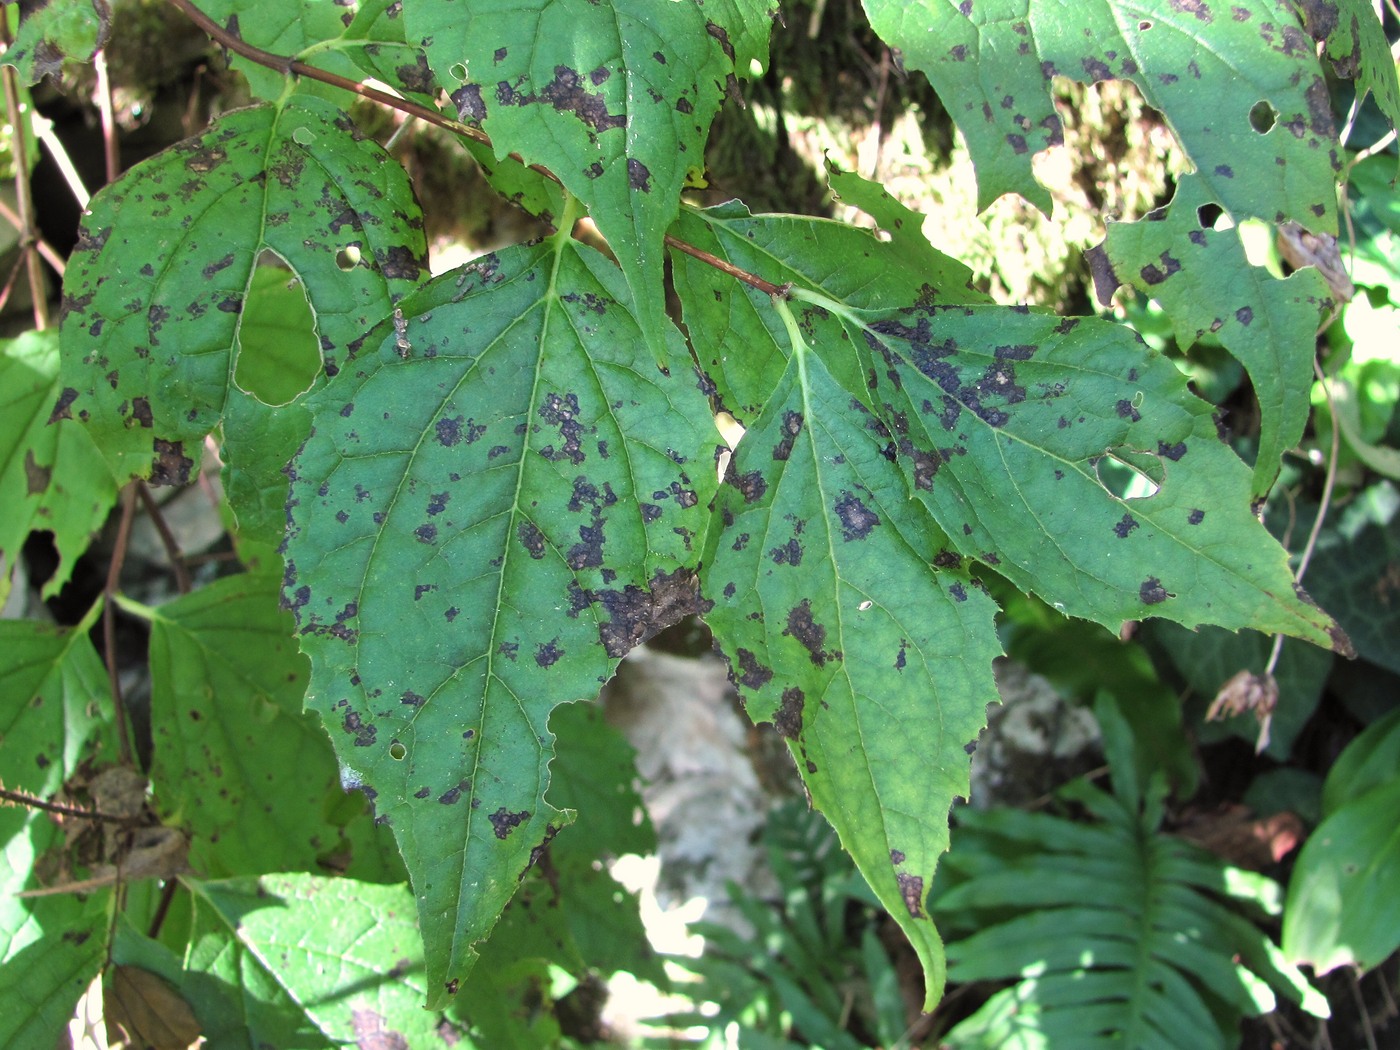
1208 214
1262 117
278 355
397 751
1129 480
458 72
348 257
303 136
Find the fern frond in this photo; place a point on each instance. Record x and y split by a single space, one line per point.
1116 934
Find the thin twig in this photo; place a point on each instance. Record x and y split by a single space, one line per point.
111 149
109 622
167 537
292 67
767 287
45 248
1361 1013
23 798
28 228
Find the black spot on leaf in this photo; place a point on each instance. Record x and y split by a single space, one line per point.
911 888
792 426
1126 525
363 733
787 720
532 539
1151 274
548 653
1196 517
638 176
504 822
170 466
810 634
788 554
1152 592
1172 452
752 674
857 520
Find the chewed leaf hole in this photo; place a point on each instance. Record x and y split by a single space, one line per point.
278 355
1127 480
397 751
348 257
1262 117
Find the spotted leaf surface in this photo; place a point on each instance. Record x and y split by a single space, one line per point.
841 632
1206 285
1239 84
1024 433
51 477
155 289
614 97
497 501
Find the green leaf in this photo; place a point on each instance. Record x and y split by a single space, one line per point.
155 289
1340 909
1206 285
842 261
55 32
52 477
237 763
615 98
301 961
875 667
1368 762
52 721
481 527
1204 67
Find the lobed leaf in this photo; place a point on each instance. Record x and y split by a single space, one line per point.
874 665
1206 285
1240 86
154 292
495 504
614 97
52 477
